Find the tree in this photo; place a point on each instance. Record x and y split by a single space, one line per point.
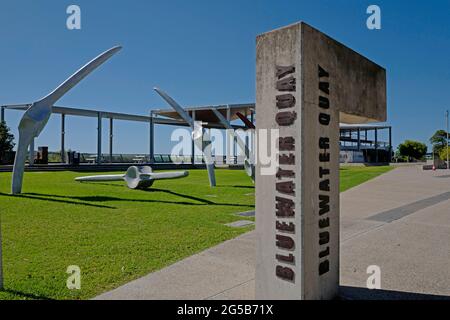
6 139
443 153
412 149
439 141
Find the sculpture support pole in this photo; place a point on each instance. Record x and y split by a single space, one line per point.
205 139
31 153
19 161
63 135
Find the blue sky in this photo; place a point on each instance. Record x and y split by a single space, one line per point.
203 52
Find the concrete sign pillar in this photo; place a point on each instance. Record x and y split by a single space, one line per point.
306 84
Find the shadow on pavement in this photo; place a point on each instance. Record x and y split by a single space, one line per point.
355 293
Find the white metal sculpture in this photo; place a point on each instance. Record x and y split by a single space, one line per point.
200 136
248 162
136 177
38 113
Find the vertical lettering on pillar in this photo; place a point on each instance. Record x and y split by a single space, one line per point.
323 172
285 187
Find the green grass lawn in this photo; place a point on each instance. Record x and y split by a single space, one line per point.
115 234
351 176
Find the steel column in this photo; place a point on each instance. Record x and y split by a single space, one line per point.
228 149
359 139
390 144
99 138
376 145
63 134
448 163
192 143
152 138
111 138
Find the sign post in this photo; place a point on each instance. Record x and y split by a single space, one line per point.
307 83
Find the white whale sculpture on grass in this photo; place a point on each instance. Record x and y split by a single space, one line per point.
136 177
38 113
200 136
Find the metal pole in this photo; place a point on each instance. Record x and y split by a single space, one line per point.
448 163
192 143
390 144
228 149
376 145
99 138
2 114
359 139
152 138
252 149
63 133
246 139
111 135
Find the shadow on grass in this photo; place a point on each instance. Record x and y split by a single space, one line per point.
108 198
244 187
204 201
50 198
26 295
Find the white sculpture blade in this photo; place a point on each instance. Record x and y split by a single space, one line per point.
141 177
196 136
112 177
183 114
249 166
37 115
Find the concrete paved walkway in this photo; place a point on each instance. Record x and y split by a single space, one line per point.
399 221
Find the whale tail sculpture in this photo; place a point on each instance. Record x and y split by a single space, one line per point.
197 134
137 177
38 113
248 163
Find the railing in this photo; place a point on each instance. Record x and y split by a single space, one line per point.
91 158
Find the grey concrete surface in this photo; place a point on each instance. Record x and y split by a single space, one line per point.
412 251
240 223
